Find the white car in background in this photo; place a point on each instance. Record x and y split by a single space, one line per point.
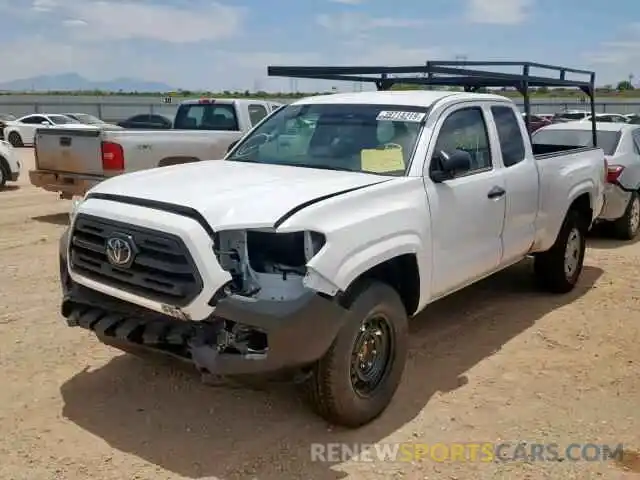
87 119
9 164
22 131
608 117
621 145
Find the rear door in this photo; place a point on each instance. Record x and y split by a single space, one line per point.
521 183
467 212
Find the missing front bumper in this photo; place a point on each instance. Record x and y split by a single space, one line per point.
242 337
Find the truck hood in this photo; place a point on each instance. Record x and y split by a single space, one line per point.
231 194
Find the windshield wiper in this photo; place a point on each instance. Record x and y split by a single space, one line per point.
332 167
326 167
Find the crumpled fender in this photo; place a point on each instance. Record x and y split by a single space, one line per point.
365 228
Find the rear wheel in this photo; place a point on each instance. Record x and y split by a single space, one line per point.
15 139
627 226
359 375
558 269
4 176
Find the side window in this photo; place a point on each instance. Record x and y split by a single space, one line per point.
256 113
33 120
636 141
466 130
510 135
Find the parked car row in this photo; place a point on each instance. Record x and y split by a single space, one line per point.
21 131
539 120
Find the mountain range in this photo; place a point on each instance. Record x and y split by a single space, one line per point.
75 82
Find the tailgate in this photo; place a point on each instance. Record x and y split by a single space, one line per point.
69 150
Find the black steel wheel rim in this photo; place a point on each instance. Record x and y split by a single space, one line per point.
371 355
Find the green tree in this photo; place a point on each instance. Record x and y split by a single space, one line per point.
624 85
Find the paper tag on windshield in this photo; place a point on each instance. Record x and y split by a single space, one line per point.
399 116
385 160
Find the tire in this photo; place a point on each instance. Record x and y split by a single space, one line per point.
330 388
4 175
627 226
558 269
15 139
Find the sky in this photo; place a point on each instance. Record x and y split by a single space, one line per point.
227 45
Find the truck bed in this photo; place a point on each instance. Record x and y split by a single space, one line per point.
568 170
542 150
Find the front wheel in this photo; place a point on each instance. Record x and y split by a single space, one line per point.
627 226
357 378
558 269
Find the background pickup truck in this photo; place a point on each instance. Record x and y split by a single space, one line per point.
72 161
321 232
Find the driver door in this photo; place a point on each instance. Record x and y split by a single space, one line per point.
467 211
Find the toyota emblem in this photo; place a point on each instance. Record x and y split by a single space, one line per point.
120 251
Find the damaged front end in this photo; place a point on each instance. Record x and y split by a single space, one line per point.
265 319
266 265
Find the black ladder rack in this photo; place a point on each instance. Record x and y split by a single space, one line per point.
453 73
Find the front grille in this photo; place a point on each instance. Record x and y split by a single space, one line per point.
162 270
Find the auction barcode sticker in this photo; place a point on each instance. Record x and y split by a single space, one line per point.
400 116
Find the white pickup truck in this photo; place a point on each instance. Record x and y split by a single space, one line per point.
321 233
70 161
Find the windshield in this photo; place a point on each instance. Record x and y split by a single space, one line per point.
376 139
607 140
61 119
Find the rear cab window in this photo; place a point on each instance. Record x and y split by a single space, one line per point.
207 116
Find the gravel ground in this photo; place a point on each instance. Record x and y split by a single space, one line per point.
497 362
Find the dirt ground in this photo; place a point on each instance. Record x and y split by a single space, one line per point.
497 362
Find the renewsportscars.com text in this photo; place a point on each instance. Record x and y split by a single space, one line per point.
465 452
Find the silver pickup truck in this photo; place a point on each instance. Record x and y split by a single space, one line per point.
71 161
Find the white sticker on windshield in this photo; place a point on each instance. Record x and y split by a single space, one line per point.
399 116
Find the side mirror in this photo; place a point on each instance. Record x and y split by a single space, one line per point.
450 165
45 123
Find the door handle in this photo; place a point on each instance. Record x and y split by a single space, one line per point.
496 192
